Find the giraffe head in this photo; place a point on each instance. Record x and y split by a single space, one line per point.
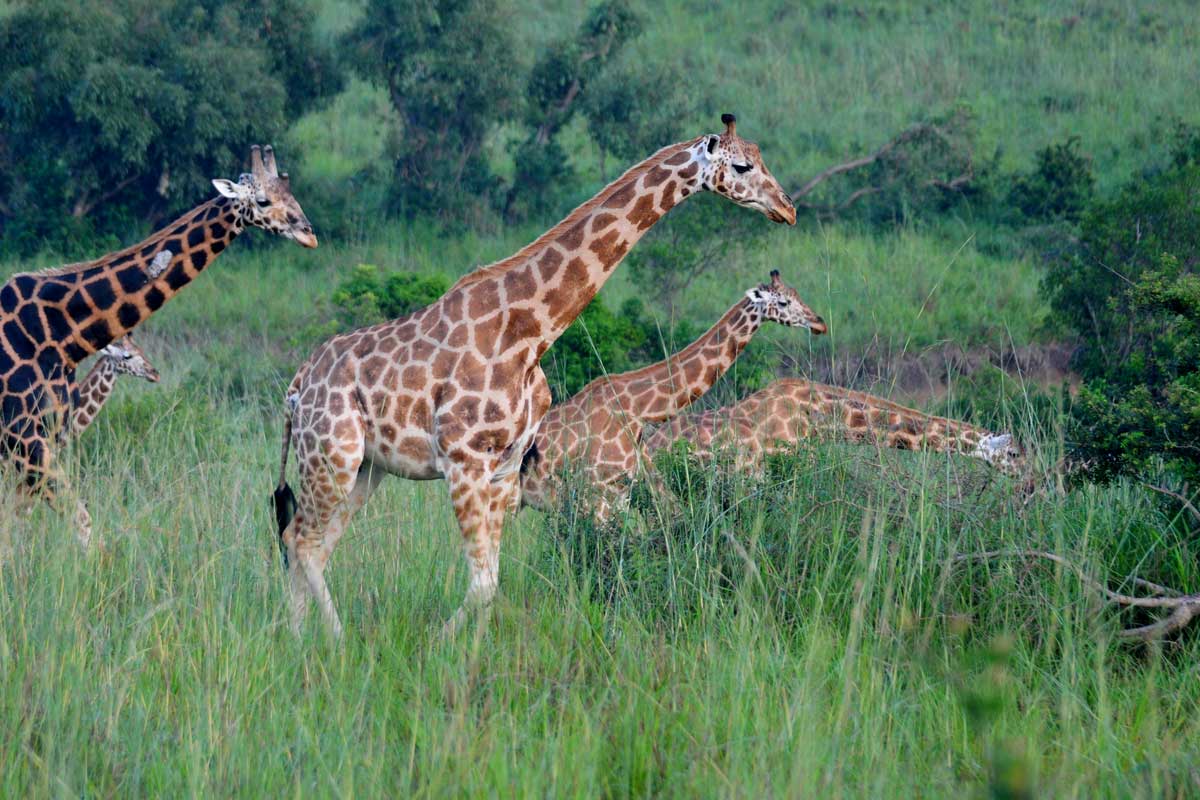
128 359
778 302
1001 452
264 199
733 167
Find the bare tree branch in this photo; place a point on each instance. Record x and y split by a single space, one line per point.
1187 504
1184 607
913 133
83 206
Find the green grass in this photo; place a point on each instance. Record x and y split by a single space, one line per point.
838 656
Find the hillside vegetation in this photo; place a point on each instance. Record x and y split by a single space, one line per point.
809 634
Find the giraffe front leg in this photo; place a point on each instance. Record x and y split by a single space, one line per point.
479 506
43 479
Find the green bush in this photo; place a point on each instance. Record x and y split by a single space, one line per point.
1060 186
601 342
1130 294
369 296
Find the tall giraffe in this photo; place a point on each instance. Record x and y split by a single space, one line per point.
599 430
454 390
52 320
777 417
122 357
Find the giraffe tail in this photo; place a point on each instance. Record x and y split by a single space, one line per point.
284 500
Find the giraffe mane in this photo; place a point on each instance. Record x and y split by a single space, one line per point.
153 239
523 255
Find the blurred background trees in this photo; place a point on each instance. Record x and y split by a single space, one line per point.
115 114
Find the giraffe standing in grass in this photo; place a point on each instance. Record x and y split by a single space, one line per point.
776 418
52 320
454 391
122 357
599 430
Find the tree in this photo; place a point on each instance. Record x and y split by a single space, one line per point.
1131 294
116 113
448 68
562 76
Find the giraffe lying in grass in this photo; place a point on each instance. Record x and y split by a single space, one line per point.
599 430
774 419
50 321
455 391
122 357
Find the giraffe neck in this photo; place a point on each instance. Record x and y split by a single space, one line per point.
660 391
94 391
547 284
852 414
88 306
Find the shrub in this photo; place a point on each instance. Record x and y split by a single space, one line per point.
600 342
1060 186
1130 294
368 296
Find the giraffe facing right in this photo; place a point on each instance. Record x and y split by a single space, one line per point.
788 410
122 357
599 429
454 391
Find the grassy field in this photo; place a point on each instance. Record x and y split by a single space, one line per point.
839 654
834 650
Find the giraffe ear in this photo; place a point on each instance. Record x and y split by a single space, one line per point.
227 188
755 294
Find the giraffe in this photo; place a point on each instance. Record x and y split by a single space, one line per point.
52 320
122 357
454 391
788 410
599 429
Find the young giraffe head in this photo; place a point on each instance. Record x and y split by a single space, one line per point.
780 303
732 167
263 198
127 358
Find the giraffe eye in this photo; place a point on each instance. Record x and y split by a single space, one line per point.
742 169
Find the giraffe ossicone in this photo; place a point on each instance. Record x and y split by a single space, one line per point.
50 321
455 390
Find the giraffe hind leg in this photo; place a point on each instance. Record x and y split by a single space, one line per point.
480 507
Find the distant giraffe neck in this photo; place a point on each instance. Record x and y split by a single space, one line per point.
895 425
94 391
87 306
547 284
660 391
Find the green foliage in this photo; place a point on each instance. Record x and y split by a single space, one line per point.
1130 294
638 108
1059 187
564 75
369 296
115 113
600 342
448 68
